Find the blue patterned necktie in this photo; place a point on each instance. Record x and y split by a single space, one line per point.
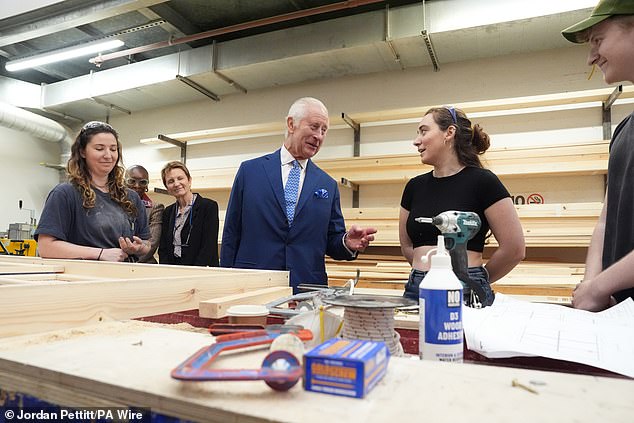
290 191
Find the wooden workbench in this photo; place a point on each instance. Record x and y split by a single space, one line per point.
129 364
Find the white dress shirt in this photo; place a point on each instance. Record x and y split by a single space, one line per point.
287 164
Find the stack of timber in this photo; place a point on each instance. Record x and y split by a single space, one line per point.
588 158
534 281
582 158
42 294
544 225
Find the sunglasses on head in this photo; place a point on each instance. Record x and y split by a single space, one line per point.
95 124
139 182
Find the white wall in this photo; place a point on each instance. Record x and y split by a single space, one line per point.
22 176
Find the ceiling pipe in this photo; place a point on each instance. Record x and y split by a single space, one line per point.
46 129
350 4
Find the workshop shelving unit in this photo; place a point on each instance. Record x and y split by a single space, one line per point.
557 232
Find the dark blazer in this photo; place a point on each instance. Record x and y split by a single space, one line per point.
202 249
256 234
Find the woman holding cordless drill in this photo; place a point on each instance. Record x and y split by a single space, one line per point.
451 144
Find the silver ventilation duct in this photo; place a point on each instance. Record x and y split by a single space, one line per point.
46 129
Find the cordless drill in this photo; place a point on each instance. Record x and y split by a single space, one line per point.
458 228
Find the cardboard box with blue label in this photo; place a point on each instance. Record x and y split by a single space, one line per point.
345 367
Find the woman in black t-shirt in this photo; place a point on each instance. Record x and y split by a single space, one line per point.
447 141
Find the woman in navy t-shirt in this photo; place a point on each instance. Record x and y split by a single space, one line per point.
94 216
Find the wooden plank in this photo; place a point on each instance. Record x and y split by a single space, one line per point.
137 291
549 299
222 134
50 277
582 158
20 269
216 308
91 268
89 361
502 104
532 290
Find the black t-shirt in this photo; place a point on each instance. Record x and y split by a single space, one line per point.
472 189
619 221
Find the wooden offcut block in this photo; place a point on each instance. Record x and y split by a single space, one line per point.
217 308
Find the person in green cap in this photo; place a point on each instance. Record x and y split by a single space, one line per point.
609 275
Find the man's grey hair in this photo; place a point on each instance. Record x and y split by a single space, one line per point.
299 109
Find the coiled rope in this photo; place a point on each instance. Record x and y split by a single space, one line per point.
372 324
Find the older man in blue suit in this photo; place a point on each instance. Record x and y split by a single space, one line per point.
284 211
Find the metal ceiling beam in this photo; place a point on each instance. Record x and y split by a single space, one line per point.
54 72
175 19
234 28
72 19
90 31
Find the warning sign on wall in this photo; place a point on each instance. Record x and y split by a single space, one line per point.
534 198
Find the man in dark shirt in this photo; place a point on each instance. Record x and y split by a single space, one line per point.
609 273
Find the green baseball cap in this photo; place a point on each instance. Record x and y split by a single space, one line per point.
606 8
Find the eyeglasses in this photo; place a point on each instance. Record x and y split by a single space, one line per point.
452 110
139 182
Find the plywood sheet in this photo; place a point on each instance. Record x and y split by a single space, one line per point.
130 364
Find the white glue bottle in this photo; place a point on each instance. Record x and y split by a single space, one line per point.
440 298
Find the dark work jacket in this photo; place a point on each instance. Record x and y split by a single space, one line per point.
202 249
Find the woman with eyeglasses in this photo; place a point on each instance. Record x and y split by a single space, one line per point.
190 225
137 179
449 142
94 216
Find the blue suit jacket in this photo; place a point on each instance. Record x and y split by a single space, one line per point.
257 235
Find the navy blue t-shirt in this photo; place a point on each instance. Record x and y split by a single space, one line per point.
66 219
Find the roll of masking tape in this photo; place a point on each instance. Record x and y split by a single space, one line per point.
291 343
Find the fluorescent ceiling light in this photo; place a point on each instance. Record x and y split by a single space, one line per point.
63 54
